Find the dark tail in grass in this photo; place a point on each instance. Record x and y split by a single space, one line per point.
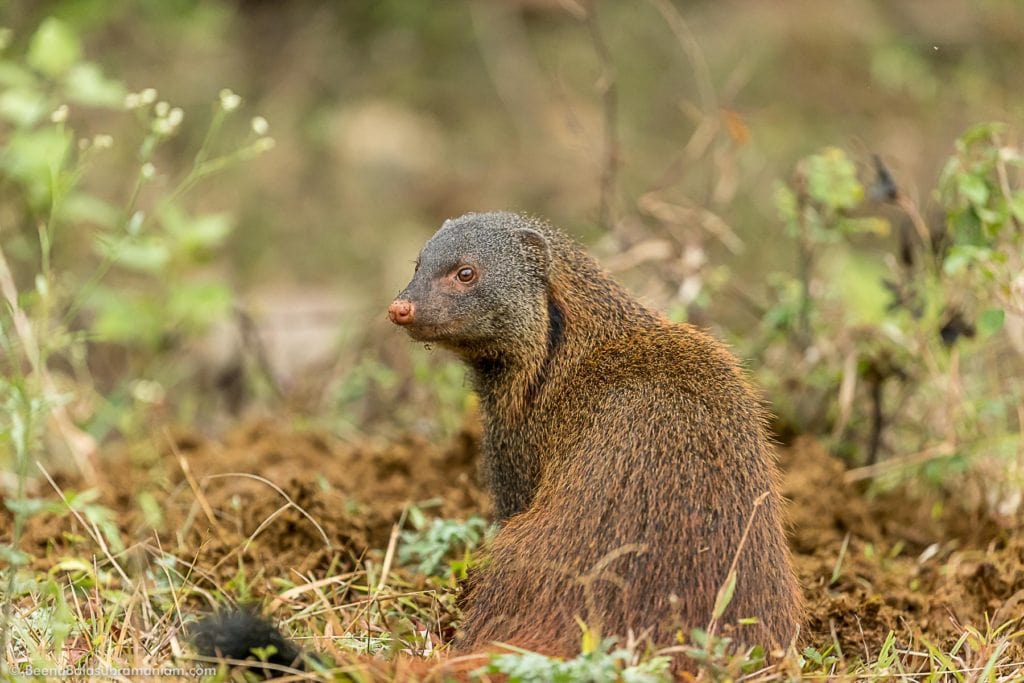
236 634
233 635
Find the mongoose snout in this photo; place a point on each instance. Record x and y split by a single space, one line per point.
401 312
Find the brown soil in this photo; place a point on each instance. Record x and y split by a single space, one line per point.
903 568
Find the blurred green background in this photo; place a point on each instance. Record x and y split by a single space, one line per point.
390 116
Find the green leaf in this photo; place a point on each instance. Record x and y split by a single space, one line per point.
22 106
54 48
71 564
980 132
202 235
14 75
871 225
858 282
86 84
143 254
961 256
785 203
990 321
36 158
832 179
14 557
973 189
152 513
126 318
1017 205
966 228
993 220
724 596
81 208
33 506
199 305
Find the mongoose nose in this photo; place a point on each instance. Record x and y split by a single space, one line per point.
401 312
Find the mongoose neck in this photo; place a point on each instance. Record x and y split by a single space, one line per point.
584 308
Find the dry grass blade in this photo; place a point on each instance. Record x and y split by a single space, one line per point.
93 532
280 492
731 575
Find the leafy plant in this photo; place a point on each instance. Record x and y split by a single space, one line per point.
55 308
442 547
875 348
601 663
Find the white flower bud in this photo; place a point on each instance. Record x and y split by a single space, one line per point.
60 114
148 171
260 125
229 101
132 101
148 96
175 116
161 108
148 391
135 223
102 141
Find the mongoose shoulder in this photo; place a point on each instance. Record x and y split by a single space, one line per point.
627 455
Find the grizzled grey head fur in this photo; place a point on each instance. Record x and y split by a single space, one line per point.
480 286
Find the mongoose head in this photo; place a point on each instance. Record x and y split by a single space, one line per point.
480 287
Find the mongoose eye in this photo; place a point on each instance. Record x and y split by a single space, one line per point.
465 275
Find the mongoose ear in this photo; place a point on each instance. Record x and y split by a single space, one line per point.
535 245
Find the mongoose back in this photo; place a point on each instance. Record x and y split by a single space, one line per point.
627 455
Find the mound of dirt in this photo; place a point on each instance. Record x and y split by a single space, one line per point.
305 498
871 565
280 500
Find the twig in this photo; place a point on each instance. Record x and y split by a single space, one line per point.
389 556
942 450
1004 179
875 384
196 491
688 42
805 268
758 502
251 338
610 99
847 389
310 586
909 207
599 572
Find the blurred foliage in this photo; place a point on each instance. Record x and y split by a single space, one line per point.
138 288
178 298
54 314
903 354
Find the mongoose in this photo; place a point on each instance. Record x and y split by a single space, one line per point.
627 455
624 452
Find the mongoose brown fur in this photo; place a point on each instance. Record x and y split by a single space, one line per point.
624 452
627 456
